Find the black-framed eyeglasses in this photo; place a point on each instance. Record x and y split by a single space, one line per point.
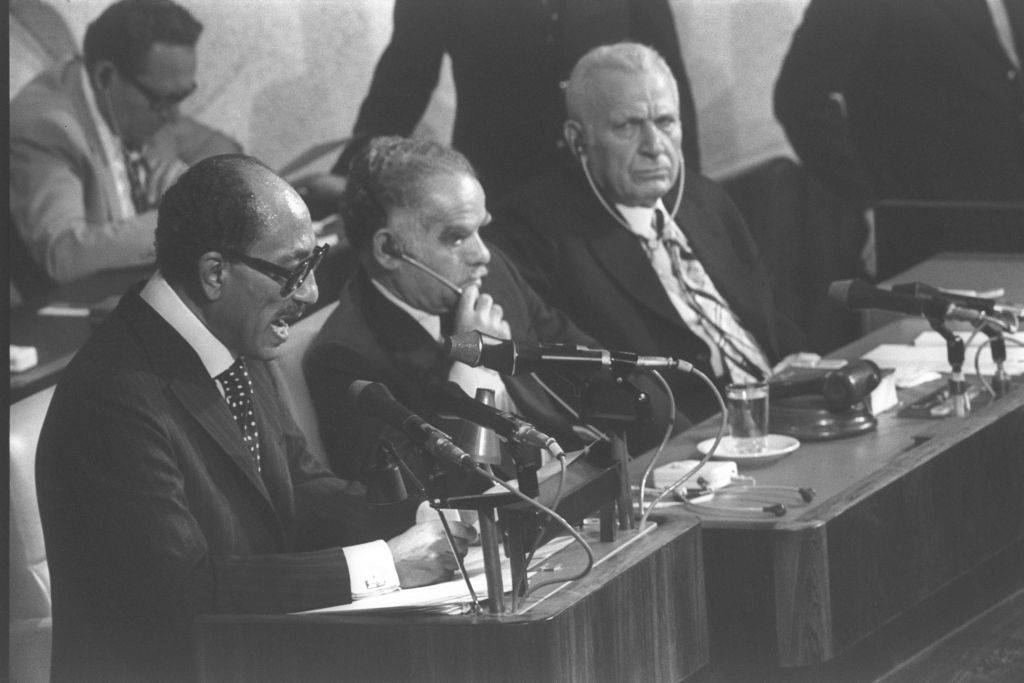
158 101
290 280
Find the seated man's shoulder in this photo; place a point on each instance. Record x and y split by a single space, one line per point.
43 108
704 190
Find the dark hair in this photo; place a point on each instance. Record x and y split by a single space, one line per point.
212 206
388 173
126 31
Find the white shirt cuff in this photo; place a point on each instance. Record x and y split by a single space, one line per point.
371 569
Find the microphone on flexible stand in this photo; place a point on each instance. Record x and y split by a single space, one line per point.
375 400
509 357
859 294
450 398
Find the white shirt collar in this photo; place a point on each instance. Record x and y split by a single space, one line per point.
641 218
168 305
428 321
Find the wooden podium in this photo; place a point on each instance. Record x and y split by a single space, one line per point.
639 615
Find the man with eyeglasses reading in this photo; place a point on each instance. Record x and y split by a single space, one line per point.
172 480
95 142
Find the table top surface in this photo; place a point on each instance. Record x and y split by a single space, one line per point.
844 471
979 272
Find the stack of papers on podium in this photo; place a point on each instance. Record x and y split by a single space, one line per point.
450 597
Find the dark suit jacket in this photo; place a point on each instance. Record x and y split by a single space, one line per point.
580 260
934 109
153 511
369 338
508 59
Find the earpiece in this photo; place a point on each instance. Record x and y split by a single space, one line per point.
391 248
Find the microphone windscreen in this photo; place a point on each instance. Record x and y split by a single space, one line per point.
465 347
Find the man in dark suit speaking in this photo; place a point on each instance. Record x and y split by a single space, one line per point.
641 255
172 480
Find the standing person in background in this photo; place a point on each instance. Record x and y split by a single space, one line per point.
908 99
509 60
96 142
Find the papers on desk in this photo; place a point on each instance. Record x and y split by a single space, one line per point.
926 359
450 597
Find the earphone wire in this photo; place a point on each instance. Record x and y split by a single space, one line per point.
612 212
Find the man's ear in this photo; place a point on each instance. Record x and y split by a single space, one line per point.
573 134
386 250
212 274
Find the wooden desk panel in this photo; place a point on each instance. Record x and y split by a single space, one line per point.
638 616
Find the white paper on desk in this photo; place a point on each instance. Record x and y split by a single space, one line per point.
932 338
450 597
910 362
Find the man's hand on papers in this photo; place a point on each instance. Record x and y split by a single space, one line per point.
423 555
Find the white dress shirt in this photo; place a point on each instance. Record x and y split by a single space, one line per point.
113 152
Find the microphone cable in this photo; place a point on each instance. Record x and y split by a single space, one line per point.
553 515
517 581
707 456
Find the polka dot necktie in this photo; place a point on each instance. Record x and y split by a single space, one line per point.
238 393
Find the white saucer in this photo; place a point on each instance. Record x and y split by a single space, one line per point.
775 446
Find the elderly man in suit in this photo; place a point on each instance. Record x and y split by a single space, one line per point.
95 143
418 201
172 480
640 254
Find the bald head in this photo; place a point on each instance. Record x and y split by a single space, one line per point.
223 202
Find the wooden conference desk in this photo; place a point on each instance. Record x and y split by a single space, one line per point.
900 514
637 616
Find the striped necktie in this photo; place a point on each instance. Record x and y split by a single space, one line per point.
238 392
742 357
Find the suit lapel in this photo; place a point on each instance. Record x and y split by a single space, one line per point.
108 187
623 259
395 331
973 18
173 359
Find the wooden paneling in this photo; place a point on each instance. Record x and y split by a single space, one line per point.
639 616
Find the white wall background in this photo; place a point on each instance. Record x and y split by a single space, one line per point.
281 75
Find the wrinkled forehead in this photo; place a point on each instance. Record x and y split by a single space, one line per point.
612 88
446 198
